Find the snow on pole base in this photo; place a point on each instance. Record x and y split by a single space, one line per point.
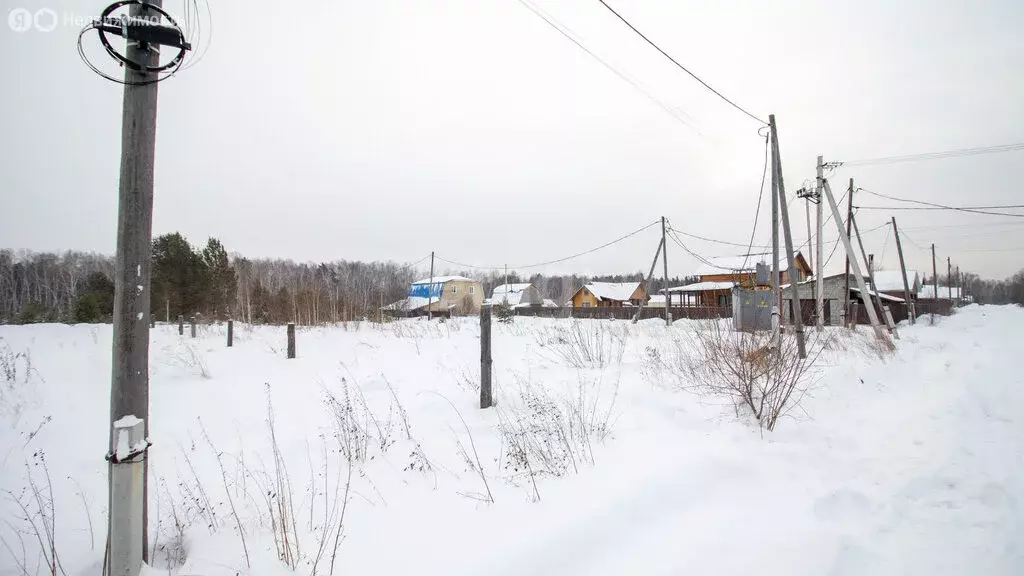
126 489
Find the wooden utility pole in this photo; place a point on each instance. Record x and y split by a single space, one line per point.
935 285
291 340
794 274
852 258
129 383
911 313
849 220
819 284
664 260
650 276
430 289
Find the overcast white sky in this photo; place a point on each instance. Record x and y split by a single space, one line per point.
383 130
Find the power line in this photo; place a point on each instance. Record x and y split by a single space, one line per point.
760 194
559 260
680 66
932 155
933 205
569 34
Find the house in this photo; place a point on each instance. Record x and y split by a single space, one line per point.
718 276
445 294
927 292
891 282
610 294
516 296
834 298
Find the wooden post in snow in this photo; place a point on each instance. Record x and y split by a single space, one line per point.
291 340
181 325
486 398
192 323
231 333
911 313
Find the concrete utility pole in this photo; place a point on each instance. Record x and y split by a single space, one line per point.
949 279
810 236
794 274
911 313
849 220
650 276
871 273
129 383
430 289
935 285
852 259
819 284
664 260
776 293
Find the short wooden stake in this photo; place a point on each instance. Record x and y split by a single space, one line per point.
231 333
486 399
192 322
291 340
181 325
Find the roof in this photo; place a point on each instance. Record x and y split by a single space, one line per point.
928 293
892 280
549 303
737 264
618 291
510 288
409 304
880 295
703 287
512 294
443 279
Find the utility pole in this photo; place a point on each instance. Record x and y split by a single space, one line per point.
871 274
810 237
647 283
949 279
935 285
852 258
145 34
776 293
819 284
911 313
794 274
849 220
959 289
430 289
664 260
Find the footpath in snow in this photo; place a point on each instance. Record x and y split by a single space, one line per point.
910 464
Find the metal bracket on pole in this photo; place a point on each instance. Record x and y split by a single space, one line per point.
127 459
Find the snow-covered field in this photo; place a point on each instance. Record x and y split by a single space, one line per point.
910 464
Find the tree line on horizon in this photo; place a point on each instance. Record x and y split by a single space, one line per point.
206 282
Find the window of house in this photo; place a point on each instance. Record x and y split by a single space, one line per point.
472 289
586 304
455 289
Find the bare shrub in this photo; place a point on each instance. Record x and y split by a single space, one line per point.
36 519
544 434
583 344
231 502
745 369
187 355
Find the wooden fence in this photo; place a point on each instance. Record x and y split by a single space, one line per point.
627 313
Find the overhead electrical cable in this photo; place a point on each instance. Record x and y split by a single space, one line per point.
932 155
571 36
678 65
934 205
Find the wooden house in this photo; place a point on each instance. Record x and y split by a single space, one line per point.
610 294
718 276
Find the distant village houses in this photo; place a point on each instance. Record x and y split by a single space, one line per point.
516 296
442 294
610 295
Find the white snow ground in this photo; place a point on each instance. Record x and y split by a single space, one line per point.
911 465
